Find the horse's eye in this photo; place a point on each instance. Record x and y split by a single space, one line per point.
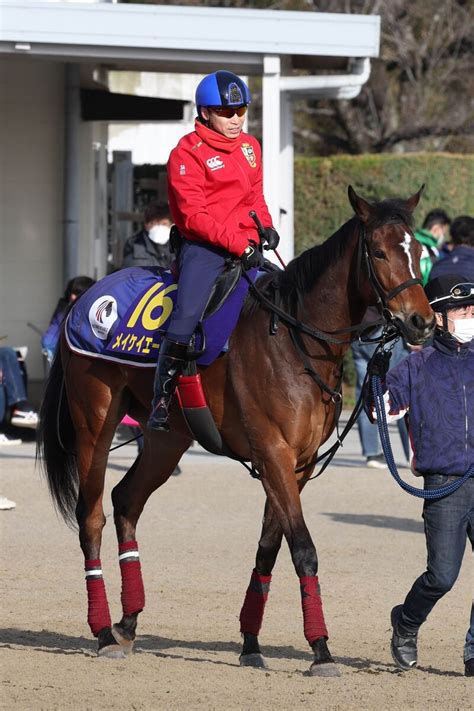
379 254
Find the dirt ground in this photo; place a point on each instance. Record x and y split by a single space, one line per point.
198 540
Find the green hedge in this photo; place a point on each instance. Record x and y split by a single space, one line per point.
322 206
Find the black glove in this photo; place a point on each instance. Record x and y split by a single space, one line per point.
380 363
272 238
252 257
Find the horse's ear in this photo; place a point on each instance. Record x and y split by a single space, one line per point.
413 201
362 208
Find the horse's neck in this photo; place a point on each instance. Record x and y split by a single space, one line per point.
337 299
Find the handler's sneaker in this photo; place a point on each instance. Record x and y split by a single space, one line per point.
469 667
6 504
403 644
7 441
376 461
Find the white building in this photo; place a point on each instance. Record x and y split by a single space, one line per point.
54 131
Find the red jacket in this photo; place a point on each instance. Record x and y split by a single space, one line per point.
213 182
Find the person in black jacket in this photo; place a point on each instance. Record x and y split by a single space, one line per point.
150 246
461 257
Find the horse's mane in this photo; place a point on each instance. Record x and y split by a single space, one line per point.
304 271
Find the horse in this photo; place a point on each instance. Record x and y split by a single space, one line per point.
278 423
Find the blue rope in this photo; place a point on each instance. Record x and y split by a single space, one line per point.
387 450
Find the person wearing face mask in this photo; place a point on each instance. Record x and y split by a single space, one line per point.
150 246
214 181
435 385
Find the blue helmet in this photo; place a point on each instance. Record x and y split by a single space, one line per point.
222 89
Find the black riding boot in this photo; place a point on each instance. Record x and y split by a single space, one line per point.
171 362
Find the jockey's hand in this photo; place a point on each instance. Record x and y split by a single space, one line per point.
272 238
252 257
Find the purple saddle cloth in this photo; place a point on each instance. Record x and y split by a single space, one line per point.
124 316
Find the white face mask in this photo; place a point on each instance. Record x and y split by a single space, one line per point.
463 329
159 234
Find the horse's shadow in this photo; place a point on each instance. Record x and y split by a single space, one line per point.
55 643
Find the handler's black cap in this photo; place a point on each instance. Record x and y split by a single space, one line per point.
449 291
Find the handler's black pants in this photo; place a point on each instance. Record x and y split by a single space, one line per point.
448 523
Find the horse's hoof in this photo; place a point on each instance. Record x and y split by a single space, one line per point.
112 651
125 644
257 661
323 669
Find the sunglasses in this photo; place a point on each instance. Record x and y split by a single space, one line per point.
228 111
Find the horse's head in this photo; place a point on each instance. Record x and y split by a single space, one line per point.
392 257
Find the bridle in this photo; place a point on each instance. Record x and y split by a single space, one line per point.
390 332
382 297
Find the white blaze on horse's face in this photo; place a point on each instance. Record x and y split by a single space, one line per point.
406 246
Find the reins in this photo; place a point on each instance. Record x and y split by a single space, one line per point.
429 494
296 327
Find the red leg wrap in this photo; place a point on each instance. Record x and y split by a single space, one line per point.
98 615
133 592
314 625
251 615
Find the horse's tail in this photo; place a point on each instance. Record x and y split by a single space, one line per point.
56 442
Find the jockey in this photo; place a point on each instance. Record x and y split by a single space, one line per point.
214 180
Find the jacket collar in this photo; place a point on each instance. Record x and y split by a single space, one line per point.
448 345
217 140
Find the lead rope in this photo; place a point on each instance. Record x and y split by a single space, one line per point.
431 494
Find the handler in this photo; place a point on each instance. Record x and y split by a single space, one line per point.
214 180
436 385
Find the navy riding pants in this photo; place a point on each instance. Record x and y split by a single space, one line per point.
199 266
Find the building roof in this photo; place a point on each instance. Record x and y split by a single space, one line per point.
175 38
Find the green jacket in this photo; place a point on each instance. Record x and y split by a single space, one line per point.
429 254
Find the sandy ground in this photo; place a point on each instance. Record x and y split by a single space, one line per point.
198 540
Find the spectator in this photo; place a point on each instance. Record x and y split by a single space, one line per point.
150 247
431 236
50 338
461 257
368 434
14 407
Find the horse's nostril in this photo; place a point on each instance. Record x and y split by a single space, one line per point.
417 321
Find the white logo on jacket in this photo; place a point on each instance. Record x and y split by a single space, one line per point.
215 163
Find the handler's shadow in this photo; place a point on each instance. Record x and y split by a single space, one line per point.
164 647
409 525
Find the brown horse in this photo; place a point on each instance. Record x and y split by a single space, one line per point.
277 422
